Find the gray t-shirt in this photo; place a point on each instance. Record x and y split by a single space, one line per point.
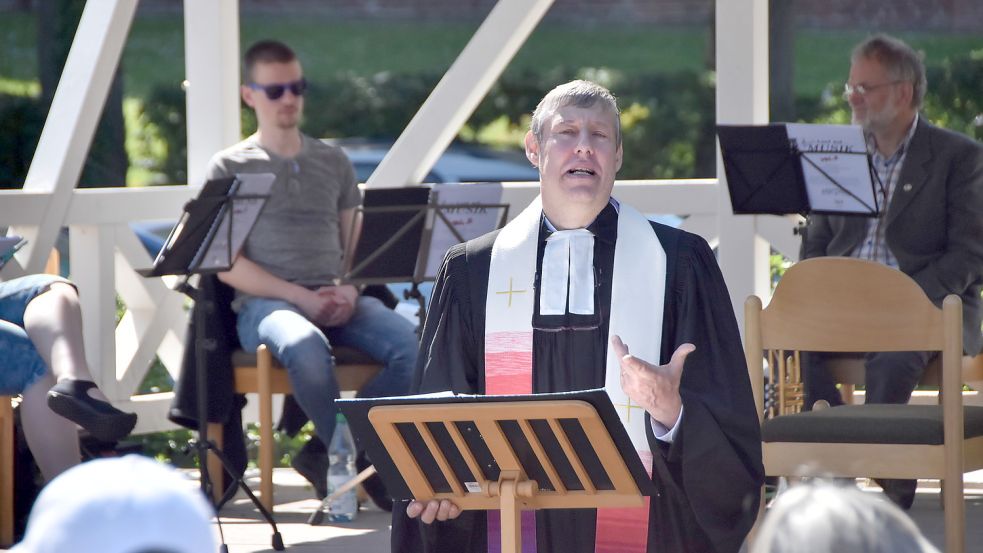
297 236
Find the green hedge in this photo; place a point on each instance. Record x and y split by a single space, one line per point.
21 122
667 120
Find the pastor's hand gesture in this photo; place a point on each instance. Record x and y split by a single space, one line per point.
654 387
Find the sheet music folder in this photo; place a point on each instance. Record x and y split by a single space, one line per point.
785 168
560 481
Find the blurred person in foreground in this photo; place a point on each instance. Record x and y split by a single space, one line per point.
126 504
825 518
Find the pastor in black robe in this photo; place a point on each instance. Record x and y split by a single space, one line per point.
708 478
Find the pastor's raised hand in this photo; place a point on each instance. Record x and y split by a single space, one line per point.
654 387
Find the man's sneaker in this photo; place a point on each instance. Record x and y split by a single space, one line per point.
314 467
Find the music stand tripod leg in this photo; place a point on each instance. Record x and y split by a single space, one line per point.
202 445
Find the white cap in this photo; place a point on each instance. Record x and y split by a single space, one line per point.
120 505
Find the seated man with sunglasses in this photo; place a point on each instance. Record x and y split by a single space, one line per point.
285 279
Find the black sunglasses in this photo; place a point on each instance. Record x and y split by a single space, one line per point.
275 91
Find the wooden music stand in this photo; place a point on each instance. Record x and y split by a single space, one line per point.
514 490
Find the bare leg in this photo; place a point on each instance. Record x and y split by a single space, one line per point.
52 439
53 322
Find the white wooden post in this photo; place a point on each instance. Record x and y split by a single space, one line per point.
211 63
93 273
742 98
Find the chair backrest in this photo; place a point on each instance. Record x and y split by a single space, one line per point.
839 304
845 304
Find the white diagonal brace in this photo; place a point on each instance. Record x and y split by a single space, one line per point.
71 122
458 93
153 312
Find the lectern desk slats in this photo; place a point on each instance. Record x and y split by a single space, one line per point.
614 466
462 446
544 460
499 445
572 456
441 459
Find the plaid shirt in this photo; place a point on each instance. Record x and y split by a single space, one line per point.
887 169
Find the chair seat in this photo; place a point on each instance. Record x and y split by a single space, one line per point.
343 356
875 424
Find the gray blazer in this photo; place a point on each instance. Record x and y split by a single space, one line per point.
934 223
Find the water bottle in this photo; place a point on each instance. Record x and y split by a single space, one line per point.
341 454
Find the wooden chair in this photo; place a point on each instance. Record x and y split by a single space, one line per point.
260 373
850 305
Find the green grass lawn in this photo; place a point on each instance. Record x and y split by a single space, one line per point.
823 57
154 53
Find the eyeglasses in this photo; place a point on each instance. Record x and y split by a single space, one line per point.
275 91
863 89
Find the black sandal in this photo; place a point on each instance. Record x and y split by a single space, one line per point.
71 399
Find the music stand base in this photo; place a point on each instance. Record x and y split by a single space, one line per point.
201 449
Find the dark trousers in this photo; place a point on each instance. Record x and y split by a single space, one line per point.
890 376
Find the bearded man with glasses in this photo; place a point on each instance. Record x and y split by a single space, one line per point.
931 182
285 281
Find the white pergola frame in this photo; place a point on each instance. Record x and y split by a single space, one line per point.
105 251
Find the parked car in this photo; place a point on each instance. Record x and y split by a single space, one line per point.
458 163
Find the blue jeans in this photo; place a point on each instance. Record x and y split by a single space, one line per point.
305 350
20 364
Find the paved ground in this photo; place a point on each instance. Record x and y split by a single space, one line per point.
246 533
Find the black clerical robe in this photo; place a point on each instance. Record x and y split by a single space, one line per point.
710 475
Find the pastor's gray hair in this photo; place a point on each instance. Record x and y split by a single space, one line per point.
579 93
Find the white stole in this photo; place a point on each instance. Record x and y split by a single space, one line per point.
637 304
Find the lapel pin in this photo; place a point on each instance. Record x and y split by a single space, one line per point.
906 187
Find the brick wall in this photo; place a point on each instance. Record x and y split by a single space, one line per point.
944 15
956 15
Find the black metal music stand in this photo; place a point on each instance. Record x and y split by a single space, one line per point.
394 235
765 174
207 239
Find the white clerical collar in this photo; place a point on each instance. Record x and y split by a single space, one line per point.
611 200
568 271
